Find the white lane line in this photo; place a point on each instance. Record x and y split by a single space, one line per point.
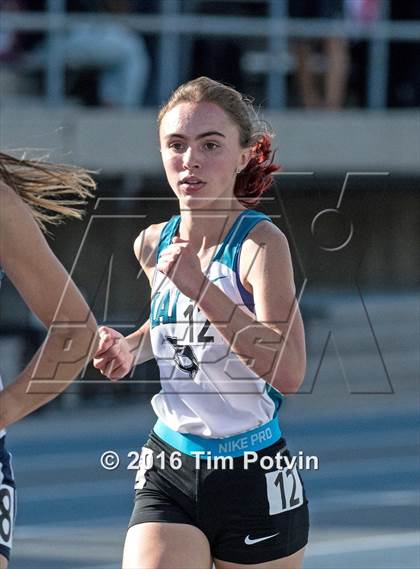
353 444
345 467
62 460
56 461
112 566
73 490
326 440
352 501
371 543
123 484
36 531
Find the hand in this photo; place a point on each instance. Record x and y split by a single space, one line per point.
113 357
182 265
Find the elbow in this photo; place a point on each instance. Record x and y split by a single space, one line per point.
289 381
287 385
290 372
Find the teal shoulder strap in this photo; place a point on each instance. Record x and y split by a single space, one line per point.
230 247
167 234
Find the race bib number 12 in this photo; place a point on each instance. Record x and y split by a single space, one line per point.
284 490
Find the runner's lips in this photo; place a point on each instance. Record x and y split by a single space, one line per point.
191 183
191 180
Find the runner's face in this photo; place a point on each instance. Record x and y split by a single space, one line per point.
201 153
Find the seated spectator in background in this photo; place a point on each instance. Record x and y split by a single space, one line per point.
10 47
119 53
113 51
331 95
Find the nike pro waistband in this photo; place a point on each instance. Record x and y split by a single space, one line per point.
236 445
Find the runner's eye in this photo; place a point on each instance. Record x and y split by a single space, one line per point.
211 146
177 146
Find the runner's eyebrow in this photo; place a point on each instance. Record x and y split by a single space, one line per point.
202 135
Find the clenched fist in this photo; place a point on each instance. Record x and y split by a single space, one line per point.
182 265
113 357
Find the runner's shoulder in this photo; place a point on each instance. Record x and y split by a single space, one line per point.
146 243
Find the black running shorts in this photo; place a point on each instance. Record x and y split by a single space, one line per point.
251 512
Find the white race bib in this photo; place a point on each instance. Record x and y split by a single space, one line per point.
284 490
7 514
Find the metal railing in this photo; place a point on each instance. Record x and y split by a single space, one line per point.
170 25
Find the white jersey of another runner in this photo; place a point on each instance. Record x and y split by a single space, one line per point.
206 389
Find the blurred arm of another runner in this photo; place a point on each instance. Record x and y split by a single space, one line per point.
51 295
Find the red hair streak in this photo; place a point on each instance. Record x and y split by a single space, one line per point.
256 177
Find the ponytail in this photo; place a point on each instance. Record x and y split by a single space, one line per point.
256 177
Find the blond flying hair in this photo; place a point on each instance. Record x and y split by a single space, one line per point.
53 192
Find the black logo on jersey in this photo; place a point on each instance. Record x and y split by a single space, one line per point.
185 359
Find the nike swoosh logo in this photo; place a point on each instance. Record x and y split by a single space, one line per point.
218 278
250 541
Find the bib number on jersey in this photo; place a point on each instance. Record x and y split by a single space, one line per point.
7 502
284 490
202 337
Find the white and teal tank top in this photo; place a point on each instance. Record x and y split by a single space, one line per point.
206 389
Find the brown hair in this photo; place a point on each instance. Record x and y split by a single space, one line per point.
52 191
256 177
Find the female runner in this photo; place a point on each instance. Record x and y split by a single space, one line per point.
227 334
33 194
